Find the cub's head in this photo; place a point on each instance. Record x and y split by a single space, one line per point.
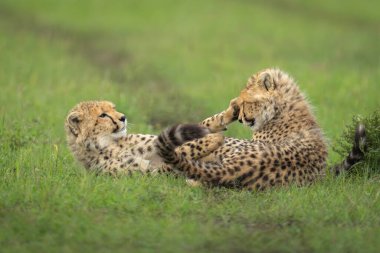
97 119
261 99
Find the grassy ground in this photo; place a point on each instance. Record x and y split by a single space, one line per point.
164 62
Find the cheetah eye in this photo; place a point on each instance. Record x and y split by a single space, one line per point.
103 115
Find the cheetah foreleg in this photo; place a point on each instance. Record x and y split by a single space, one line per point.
219 122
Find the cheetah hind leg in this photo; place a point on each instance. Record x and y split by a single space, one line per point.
199 148
168 141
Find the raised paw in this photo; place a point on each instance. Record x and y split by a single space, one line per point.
232 112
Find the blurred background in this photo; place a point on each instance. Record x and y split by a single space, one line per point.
164 62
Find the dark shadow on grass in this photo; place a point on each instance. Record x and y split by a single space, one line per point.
161 101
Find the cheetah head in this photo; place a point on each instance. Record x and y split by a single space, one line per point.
94 120
258 101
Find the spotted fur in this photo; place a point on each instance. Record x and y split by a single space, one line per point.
287 144
97 136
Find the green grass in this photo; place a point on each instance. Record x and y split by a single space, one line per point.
371 147
164 62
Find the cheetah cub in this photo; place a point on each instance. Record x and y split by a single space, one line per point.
287 144
97 136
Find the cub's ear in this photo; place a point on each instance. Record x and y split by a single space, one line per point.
72 122
268 82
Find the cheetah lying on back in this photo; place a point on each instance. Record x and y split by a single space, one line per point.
287 144
97 136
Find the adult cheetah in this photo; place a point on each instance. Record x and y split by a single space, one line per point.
287 144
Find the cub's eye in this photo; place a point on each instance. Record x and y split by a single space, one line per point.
103 115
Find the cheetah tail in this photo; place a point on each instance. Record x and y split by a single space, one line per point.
356 154
175 136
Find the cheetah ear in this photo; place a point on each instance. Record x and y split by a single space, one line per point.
268 82
73 121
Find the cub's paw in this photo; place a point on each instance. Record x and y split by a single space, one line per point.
232 112
218 128
193 183
213 141
201 147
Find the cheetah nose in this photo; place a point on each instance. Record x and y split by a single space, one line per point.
240 120
122 119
